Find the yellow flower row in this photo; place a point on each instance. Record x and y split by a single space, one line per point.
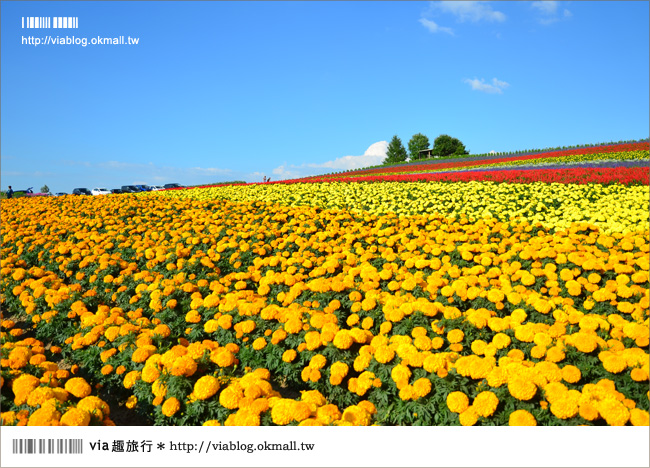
612 208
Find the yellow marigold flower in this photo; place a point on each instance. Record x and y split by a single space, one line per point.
23 386
143 353
571 374
485 403
289 355
639 374
282 412
211 422
495 295
317 361
564 407
19 357
259 344
149 374
555 354
313 396
46 415
40 395
422 387
457 402
501 340
522 389
327 414
469 417
437 342
588 411
455 336
613 411
222 357
384 354
356 415
521 418
496 377
615 364
639 417
78 387
131 402
171 407
75 417
95 406
206 387
231 396
8 418
343 339
183 366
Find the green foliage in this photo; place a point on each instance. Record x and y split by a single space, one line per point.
396 151
45 189
417 143
445 145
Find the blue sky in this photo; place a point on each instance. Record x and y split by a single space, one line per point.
218 91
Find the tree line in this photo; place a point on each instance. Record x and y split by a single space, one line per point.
443 146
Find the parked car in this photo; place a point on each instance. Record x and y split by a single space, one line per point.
143 188
99 191
116 190
155 188
129 189
167 186
60 194
81 191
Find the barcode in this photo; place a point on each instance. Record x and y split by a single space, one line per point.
27 446
47 22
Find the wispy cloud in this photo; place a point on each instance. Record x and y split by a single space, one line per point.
470 11
146 172
549 12
374 155
496 86
434 28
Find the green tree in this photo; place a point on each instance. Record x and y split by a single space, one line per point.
417 143
396 151
445 145
45 189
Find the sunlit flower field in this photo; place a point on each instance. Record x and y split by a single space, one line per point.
329 303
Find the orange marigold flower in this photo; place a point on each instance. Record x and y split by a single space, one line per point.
521 418
78 387
206 387
75 417
457 402
171 407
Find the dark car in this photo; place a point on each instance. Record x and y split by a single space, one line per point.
129 189
143 188
116 190
172 186
81 191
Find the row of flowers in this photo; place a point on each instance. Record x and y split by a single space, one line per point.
198 311
467 165
613 208
636 151
578 175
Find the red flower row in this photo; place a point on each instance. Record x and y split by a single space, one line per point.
621 175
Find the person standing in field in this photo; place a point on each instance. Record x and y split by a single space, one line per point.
10 192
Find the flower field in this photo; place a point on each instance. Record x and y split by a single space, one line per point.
443 302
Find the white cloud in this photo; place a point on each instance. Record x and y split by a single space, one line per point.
434 28
547 7
496 87
373 156
208 171
549 12
470 11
